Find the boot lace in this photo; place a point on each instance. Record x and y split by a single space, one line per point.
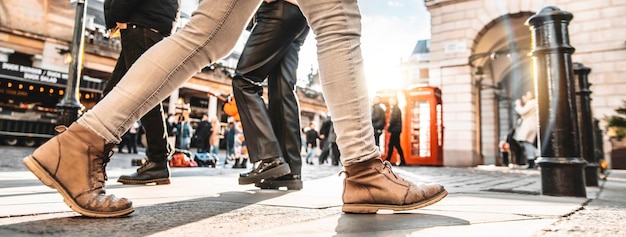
101 162
387 167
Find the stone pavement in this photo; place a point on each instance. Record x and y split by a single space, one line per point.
483 201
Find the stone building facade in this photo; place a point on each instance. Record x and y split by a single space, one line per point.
479 58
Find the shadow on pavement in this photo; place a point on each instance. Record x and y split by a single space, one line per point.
157 218
400 223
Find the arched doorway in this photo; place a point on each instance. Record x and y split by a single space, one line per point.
502 72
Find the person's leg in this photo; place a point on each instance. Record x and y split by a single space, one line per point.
133 143
309 155
325 152
269 41
398 146
284 110
82 149
156 169
377 138
208 36
336 154
390 146
370 184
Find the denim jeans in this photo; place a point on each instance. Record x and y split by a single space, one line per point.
212 33
310 153
135 41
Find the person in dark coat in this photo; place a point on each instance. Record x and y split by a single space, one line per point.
395 128
378 119
202 135
311 143
330 144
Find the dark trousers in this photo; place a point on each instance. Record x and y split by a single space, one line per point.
330 149
135 41
394 142
377 133
272 52
132 142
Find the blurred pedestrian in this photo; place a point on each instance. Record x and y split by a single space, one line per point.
133 134
311 143
184 130
240 151
526 133
203 134
378 119
230 142
395 128
330 146
216 132
73 162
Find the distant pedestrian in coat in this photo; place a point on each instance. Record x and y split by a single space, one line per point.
395 128
311 143
526 133
184 130
203 134
133 134
378 119
230 142
216 129
330 144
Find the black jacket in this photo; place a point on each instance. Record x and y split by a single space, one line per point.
156 14
378 117
395 120
311 137
203 131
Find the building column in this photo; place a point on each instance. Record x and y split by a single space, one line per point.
171 107
4 54
212 106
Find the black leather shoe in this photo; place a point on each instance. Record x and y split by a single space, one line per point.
290 181
149 172
265 169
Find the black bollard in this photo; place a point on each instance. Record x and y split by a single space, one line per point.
585 125
562 169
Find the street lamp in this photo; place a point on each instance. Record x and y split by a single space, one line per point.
70 108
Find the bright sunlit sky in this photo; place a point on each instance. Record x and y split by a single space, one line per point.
391 29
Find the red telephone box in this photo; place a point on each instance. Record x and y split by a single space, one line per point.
422 129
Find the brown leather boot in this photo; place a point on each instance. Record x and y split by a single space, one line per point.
371 186
74 163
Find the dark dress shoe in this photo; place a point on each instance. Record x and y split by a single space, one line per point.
149 172
290 181
265 169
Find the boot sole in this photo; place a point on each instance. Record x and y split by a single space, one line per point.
270 174
277 184
47 179
149 181
373 208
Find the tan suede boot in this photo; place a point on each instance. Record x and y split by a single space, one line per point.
371 186
74 163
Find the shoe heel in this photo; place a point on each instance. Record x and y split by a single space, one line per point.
38 171
277 184
361 209
162 181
